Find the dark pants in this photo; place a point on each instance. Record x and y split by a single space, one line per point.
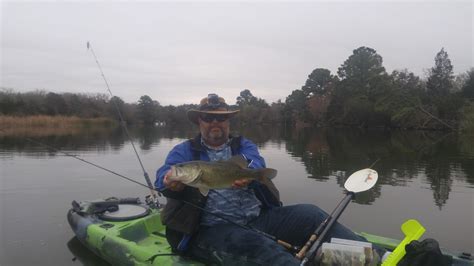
228 244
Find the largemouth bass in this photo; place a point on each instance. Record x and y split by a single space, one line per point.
214 175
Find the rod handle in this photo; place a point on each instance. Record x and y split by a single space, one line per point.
285 244
306 246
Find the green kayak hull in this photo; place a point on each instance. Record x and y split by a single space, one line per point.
141 240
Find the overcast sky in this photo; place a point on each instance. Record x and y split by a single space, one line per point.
179 52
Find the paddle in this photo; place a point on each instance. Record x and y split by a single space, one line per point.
359 181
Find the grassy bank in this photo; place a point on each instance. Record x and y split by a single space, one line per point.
42 125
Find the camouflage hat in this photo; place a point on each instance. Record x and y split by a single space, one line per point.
212 104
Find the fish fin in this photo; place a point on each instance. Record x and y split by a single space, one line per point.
204 191
269 173
239 160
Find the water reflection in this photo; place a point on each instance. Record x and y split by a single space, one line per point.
83 255
401 156
112 139
438 158
424 175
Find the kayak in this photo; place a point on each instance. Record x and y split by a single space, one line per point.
128 232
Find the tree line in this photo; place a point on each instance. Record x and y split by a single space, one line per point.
146 111
361 94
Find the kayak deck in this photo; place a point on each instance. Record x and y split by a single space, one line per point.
142 241
135 242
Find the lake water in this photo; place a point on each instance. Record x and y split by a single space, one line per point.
428 176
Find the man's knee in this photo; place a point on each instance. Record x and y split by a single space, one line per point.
310 211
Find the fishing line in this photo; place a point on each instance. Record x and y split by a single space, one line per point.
372 165
248 227
82 160
123 124
283 243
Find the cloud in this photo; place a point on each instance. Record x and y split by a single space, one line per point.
178 52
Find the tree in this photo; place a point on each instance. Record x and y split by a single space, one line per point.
401 100
55 104
468 87
112 106
276 112
317 82
361 67
406 81
252 109
440 80
74 103
247 98
147 110
7 102
459 81
363 82
295 106
440 86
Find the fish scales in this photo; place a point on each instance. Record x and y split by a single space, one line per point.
214 175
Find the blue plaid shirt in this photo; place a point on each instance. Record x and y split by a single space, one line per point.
238 205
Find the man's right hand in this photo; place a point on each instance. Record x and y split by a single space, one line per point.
172 185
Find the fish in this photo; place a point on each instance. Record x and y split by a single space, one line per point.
205 175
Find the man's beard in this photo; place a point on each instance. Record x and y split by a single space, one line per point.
216 136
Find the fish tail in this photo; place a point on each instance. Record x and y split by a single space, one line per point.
267 173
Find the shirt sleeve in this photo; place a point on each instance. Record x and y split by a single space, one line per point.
250 151
176 155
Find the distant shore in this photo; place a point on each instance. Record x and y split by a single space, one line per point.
43 125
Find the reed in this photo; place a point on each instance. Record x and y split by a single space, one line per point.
30 125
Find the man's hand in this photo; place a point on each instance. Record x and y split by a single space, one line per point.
240 183
172 185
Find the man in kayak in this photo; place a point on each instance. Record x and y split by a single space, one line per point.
205 233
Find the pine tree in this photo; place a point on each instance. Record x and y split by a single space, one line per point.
440 81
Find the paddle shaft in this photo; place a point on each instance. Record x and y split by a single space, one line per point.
300 255
312 251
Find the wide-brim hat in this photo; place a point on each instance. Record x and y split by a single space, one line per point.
212 104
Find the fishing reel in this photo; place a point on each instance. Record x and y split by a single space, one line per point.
153 202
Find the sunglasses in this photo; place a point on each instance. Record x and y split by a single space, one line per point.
208 118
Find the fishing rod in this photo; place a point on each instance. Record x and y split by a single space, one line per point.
149 185
124 126
302 252
300 255
359 181
281 242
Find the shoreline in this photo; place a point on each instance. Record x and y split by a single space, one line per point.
43 125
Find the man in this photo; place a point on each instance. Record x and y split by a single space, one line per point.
206 233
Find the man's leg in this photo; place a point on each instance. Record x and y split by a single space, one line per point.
231 245
295 224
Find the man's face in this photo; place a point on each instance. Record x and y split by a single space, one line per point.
214 128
